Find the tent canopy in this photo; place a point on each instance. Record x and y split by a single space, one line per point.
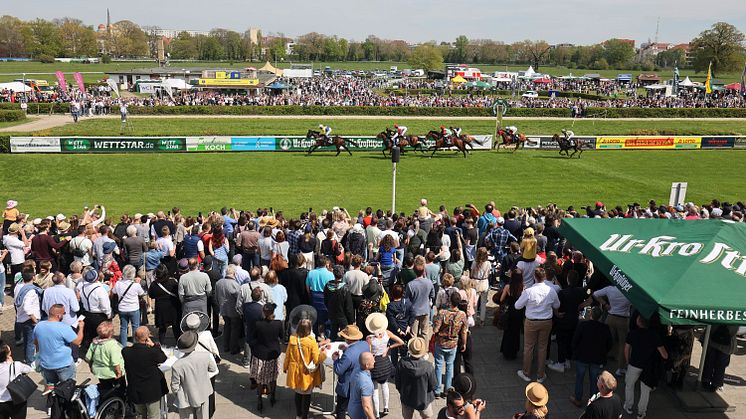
686 82
180 84
543 81
733 86
278 85
687 271
458 79
268 68
15 86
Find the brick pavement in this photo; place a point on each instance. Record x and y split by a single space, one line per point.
496 378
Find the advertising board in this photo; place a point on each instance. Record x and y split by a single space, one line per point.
253 143
208 144
122 145
718 142
647 143
35 145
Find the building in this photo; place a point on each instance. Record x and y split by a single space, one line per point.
173 33
202 78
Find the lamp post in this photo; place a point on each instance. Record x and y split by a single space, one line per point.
395 156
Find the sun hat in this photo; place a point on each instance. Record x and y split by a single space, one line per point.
465 384
63 226
376 323
11 204
196 321
187 342
60 217
36 221
537 394
14 228
109 247
417 347
351 332
90 275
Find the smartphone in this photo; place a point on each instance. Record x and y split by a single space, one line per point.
200 213
81 318
271 209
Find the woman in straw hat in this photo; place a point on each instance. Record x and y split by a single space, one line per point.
380 341
537 398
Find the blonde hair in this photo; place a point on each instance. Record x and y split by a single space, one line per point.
105 329
448 280
539 411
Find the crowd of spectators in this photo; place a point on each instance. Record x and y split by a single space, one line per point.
382 284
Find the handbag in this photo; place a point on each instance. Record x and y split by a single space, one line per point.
20 388
141 272
311 367
501 317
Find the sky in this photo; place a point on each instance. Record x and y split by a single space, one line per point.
556 21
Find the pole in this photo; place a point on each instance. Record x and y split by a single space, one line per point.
393 190
705 345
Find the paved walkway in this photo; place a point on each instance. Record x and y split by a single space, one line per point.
496 378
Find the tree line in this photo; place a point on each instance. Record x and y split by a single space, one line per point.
722 45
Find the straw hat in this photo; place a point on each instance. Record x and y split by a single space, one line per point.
63 226
351 332
14 228
376 323
417 347
11 204
537 394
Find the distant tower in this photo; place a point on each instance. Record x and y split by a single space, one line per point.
657 29
108 21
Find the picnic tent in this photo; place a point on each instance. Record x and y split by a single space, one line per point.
543 80
458 80
686 82
688 271
15 86
269 68
732 86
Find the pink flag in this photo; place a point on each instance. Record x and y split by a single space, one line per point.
79 79
61 80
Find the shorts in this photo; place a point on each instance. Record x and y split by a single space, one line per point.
408 412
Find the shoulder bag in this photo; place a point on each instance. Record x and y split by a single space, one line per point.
311 367
20 388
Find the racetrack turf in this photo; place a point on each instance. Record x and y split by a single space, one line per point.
293 182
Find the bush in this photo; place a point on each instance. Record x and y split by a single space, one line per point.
12 115
47 59
106 59
4 144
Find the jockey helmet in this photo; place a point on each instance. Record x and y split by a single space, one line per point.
396 125
321 125
564 130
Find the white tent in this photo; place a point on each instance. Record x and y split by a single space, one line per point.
15 86
686 82
179 84
530 72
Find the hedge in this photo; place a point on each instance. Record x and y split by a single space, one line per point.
403 111
4 143
477 92
12 115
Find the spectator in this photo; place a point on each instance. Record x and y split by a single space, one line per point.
537 398
53 338
315 284
591 343
226 292
9 370
129 292
194 287
380 345
420 293
515 317
449 326
539 300
303 351
722 345
416 381
164 292
361 405
247 243
399 315
94 303
455 406
196 323
604 404
146 382
480 272
28 311
134 247
618 308
265 349
566 321
188 374
279 294
466 385
338 301
251 312
642 347
105 359
294 281
346 366
355 280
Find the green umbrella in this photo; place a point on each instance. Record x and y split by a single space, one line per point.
687 271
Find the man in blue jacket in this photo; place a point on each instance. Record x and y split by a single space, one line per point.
347 365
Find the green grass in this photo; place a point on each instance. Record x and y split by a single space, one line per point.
13 70
145 126
48 184
5 124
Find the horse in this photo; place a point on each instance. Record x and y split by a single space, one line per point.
468 140
336 141
385 137
406 141
565 147
440 143
507 140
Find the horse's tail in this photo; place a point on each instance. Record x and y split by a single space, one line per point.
472 138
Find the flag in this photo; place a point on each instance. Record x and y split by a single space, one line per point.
79 80
113 85
61 80
708 82
743 81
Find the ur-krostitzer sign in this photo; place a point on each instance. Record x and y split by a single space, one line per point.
687 271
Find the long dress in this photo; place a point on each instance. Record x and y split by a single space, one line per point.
167 306
512 333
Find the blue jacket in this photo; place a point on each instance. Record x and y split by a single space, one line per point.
347 365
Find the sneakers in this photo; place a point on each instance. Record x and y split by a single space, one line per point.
541 379
628 410
620 372
640 416
19 342
523 376
556 366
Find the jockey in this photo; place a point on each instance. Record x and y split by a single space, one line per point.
513 131
456 131
326 131
446 133
399 132
569 136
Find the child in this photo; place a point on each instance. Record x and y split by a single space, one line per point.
10 215
528 245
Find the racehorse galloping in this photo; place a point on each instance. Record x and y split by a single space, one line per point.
385 137
319 141
440 143
404 142
507 140
565 146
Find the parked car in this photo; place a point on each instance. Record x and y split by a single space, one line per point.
530 94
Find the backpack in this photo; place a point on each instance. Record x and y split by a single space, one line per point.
75 248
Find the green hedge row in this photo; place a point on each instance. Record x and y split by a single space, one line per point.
401 111
7 115
4 143
544 93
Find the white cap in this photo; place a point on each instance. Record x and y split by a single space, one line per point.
60 217
36 221
500 220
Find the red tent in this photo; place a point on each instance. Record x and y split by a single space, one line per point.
733 86
543 81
